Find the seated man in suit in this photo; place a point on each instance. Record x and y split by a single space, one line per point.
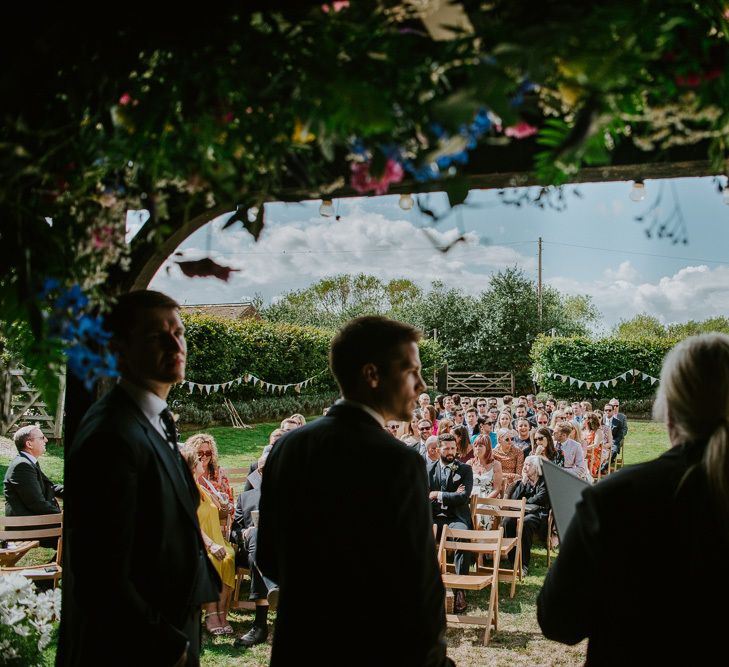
451 483
244 533
28 492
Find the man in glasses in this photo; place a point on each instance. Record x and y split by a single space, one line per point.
28 492
426 430
458 417
482 406
392 426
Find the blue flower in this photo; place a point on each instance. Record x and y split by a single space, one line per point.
72 298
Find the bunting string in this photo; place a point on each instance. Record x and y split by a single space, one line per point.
249 378
629 374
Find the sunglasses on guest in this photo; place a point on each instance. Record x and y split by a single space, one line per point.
203 454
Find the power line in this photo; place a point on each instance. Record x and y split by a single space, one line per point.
633 252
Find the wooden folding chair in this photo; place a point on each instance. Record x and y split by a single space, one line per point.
17 529
478 542
502 508
237 478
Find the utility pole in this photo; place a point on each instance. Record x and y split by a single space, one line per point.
539 285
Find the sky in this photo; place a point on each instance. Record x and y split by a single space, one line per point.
594 247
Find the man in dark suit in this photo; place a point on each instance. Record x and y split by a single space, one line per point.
244 533
28 492
131 534
362 537
450 483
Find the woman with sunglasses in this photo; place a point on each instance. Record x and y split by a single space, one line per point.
220 552
510 456
213 477
488 478
544 445
411 436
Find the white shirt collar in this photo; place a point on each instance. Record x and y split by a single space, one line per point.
32 458
361 406
148 402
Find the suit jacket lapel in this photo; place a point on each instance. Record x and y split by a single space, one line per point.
163 451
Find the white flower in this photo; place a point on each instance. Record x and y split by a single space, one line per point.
22 630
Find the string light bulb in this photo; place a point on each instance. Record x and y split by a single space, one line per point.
326 210
638 191
406 202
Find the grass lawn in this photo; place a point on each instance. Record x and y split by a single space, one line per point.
518 641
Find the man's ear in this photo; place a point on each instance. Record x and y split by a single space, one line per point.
371 375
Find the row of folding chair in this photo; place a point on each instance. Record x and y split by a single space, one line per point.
24 532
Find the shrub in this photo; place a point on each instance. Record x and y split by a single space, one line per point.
596 360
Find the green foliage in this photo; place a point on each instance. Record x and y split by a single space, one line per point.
332 301
494 330
220 350
212 411
645 325
595 360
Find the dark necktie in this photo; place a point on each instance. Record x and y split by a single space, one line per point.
444 479
168 421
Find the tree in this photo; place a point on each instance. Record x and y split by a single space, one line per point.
692 328
332 301
640 326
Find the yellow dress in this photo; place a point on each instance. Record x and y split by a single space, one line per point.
207 515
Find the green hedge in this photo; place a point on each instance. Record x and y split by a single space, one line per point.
595 360
220 350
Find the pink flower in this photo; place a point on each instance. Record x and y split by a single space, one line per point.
337 6
362 182
521 130
691 80
125 99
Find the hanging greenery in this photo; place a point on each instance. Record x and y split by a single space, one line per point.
232 109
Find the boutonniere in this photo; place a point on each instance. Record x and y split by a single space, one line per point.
453 466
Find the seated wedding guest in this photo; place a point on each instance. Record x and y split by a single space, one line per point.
571 451
482 406
557 418
493 415
458 416
299 419
465 402
519 413
392 426
456 400
272 440
523 436
510 457
464 450
445 426
28 492
431 415
213 477
507 400
493 403
542 419
471 421
577 412
425 428
544 446
263 592
450 483
531 486
431 449
586 407
576 433
682 494
439 407
423 400
289 424
504 420
411 436
488 479
221 554
592 443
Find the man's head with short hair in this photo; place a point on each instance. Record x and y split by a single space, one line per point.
482 406
30 439
447 447
616 405
562 431
465 402
508 400
586 406
493 402
448 403
425 426
376 361
431 448
148 338
521 411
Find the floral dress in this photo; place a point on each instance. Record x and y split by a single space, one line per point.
483 486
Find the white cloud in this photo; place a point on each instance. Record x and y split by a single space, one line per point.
293 255
693 292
